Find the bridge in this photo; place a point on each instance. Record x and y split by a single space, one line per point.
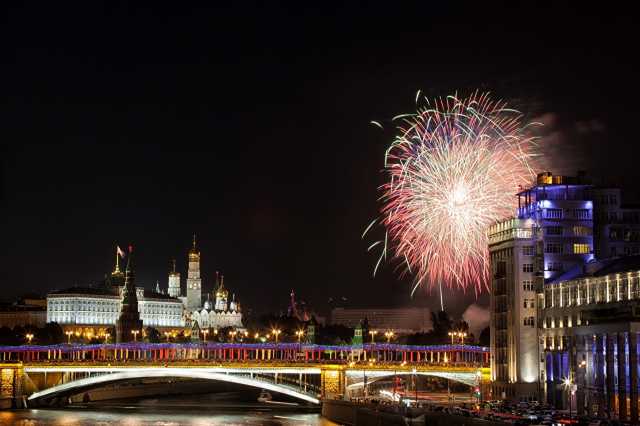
309 373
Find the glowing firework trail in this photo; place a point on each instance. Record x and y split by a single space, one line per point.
453 170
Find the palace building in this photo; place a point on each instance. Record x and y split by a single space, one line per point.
93 310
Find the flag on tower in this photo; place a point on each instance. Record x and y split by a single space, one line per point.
120 252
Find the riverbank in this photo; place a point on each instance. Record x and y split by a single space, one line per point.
351 414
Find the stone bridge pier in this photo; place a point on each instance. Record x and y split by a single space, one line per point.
11 385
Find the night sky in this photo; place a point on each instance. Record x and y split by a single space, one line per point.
248 124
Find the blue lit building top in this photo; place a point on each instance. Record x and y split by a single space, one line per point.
561 209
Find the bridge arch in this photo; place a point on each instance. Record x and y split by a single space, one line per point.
76 386
467 378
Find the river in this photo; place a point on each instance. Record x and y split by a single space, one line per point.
224 407
131 415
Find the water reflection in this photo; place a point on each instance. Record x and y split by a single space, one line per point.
134 416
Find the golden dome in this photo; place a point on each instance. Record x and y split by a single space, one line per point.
194 254
221 291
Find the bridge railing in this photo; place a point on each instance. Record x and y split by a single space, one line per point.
266 352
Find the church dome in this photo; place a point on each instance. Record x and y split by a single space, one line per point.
222 292
194 254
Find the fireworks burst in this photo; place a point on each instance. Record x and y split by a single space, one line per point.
453 170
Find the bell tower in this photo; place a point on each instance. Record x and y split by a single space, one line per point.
174 282
194 285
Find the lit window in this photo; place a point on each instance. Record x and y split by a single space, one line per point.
553 213
582 214
581 231
527 285
581 248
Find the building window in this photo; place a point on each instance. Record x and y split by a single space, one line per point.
612 217
553 248
554 266
527 267
554 230
581 248
582 214
581 231
527 285
528 251
553 213
530 321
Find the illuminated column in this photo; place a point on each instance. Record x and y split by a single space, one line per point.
611 393
599 375
633 376
622 378
581 373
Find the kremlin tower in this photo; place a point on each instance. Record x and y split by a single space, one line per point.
129 319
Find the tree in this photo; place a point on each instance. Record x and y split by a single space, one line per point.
485 337
153 335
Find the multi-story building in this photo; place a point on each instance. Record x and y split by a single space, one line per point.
590 320
552 233
400 320
616 225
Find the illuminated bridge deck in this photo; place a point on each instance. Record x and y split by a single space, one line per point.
445 355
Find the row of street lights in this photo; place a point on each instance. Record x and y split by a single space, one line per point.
458 334
389 334
89 335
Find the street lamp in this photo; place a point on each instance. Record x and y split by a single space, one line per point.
568 384
276 333
299 333
167 335
233 335
106 337
29 337
415 383
389 335
135 335
451 334
69 334
373 334
204 333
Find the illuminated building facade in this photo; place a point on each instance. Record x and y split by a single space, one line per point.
223 312
590 320
551 233
92 311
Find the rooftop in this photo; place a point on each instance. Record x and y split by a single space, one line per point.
601 268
